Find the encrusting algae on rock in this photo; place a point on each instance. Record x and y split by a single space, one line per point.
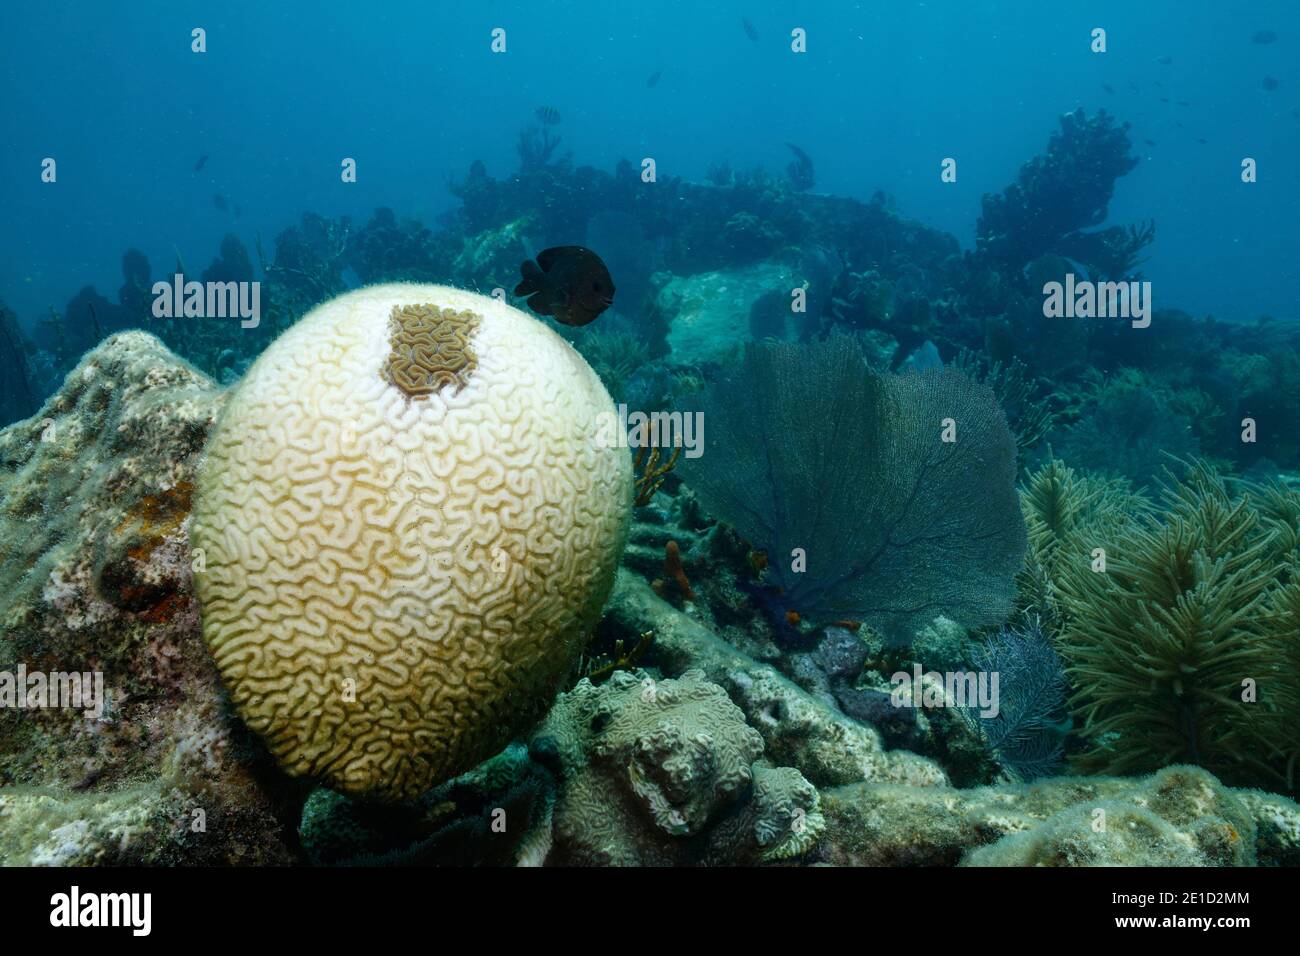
96 577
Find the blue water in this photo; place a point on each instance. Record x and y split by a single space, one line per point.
412 91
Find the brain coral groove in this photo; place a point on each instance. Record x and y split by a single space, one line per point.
446 556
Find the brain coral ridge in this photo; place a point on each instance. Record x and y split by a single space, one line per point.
409 528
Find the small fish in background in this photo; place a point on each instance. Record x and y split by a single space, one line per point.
226 204
654 79
1164 60
1164 99
1202 141
1270 84
800 170
1184 103
1264 37
569 283
1108 88
749 29
1149 142
548 115
203 161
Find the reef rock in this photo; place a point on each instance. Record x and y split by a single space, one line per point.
95 578
1180 816
1277 826
798 729
714 313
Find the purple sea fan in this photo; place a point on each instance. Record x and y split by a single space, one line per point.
868 505
1027 733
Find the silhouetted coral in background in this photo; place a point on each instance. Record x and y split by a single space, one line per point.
385 250
1057 195
16 397
1127 429
231 264
136 292
800 170
309 257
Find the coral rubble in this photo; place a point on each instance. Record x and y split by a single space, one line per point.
1181 816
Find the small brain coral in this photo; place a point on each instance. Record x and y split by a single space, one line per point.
679 770
667 772
408 526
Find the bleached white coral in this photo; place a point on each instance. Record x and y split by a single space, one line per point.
409 524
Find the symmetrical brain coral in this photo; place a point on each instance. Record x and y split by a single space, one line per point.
408 525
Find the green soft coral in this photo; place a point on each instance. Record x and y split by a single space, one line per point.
1195 607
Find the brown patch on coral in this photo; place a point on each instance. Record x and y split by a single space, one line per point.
161 514
674 569
165 609
144 528
430 349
